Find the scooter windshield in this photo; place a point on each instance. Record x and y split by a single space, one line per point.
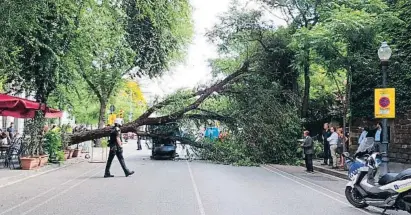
366 146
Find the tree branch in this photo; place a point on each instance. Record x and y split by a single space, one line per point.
132 126
92 86
182 140
207 92
211 117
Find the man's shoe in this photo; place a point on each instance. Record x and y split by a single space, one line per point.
108 176
130 173
323 164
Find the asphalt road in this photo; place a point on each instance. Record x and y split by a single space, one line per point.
178 188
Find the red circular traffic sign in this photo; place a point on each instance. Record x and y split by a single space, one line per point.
384 102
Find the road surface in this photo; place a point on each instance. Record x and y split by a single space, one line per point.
178 188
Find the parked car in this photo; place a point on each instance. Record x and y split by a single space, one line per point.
164 147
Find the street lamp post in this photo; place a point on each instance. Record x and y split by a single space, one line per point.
384 53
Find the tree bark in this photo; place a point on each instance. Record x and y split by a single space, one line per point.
103 106
347 102
145 118
307 84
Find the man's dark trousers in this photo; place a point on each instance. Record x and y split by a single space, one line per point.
309 162
139 143
327 153
116 151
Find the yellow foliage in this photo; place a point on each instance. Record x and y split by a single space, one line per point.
132 88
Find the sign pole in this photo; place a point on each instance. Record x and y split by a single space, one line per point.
384 109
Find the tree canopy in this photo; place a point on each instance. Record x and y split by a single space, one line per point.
321 67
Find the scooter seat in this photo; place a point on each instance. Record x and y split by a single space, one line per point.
404 174
391 177
388 178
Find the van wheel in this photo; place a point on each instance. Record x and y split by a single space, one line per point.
354 198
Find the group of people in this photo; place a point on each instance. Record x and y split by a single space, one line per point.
335 143
7 136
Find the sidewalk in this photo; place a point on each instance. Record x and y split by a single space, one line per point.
96 154
12 176
392 166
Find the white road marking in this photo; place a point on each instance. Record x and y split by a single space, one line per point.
59 194
315 190
44 193
311 183
199 202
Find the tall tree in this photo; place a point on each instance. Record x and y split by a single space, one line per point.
158 33
303 15
101 54
35 38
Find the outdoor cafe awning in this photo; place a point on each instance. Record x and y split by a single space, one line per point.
24 108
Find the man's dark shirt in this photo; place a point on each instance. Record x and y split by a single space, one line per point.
114 133
10 130
326 134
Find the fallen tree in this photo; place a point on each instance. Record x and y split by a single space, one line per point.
145 118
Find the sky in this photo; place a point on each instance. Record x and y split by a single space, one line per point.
195 69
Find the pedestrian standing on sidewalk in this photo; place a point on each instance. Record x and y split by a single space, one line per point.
116 149
363 135
378 136
308 146
342 139
327 153
333 140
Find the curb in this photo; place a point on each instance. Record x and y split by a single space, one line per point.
336 173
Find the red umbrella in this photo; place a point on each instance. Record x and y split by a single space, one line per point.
24 108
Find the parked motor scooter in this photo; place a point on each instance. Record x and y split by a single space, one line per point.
391 192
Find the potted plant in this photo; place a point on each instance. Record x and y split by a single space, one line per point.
43 160
70 153
53 144
33 136
28 163
76 152
66 154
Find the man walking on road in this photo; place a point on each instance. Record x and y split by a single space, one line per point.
326 150
308 151
116 149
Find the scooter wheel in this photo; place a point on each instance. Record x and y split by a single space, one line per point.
354 198
87 156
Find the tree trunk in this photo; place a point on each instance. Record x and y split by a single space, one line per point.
103 106
347 101
306 96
